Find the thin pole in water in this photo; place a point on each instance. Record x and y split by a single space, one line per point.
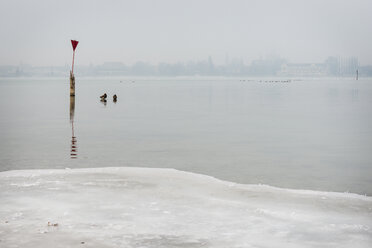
73 58
74 44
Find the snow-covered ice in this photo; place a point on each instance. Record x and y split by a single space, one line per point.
142 207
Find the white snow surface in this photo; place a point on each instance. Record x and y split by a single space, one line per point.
143 207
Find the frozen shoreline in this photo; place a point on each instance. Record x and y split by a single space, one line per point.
145 207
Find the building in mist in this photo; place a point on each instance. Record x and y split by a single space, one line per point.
348 66
269 66
303 70
332 66
342 66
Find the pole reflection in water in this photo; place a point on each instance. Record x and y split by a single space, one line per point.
73 152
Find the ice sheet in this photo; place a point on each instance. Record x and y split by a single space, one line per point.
142 207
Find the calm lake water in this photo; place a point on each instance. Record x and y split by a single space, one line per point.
306 134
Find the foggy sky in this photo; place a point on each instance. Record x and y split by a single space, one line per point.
38 32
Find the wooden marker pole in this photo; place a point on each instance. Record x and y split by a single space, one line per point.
73 153
72 76
72 84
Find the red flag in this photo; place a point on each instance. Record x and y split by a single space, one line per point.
74 44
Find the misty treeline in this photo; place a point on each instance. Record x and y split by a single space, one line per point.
332 66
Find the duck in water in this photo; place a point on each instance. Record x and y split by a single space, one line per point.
103 97
115 98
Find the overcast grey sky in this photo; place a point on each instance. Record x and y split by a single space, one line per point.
38 32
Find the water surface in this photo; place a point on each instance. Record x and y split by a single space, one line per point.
306 134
